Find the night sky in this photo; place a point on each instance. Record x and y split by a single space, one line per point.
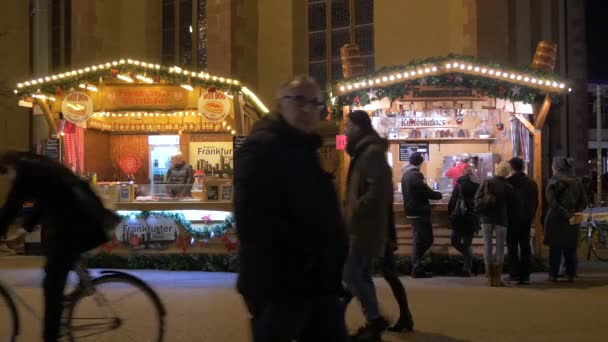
597 39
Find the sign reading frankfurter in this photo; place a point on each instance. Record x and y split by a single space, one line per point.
153 232
214 105
77 107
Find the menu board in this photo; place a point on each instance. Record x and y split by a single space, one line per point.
406 150
237 143
52 148
213 192
226 192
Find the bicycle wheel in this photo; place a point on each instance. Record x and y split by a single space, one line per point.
9 320
599 242
120 308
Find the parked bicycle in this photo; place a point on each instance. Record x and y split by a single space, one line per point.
596 235
115 306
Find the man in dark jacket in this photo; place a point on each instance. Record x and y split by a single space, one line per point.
292 238
369 193
71 215
525 203
416 195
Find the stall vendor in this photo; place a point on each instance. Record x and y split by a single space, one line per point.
180 176
457 171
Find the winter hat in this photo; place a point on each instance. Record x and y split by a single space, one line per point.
416 159
563 164
361 119
503 169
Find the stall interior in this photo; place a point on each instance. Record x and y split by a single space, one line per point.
447 130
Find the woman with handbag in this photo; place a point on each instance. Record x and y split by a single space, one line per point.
463 220
565 197
494 203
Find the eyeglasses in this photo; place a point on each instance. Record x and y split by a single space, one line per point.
303 101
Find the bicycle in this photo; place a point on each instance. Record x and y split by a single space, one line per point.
596 236
89 311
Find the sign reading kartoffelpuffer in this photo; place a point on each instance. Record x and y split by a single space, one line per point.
77 107
215 106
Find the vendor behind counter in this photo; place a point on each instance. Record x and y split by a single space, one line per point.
180 177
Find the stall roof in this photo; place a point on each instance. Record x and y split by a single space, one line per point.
455 71
130 71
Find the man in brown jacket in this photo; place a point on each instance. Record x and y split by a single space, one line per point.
368 195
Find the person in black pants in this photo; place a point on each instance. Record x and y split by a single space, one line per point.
520 223
416 195
565 196
72 216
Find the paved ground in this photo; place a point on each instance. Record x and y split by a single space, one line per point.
204 306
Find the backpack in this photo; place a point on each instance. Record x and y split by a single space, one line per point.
484 200
460 209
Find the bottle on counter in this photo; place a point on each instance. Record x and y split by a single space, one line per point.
435 184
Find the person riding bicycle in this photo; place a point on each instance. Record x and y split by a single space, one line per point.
71 214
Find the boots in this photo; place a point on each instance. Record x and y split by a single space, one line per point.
496 275
489 272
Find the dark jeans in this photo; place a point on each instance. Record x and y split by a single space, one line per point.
389 272
520 251
463 243
358 280
58 265
301 319
422 233
555 259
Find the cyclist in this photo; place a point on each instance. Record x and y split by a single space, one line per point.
72 216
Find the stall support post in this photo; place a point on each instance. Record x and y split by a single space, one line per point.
598 141
47 114
538 178
238 115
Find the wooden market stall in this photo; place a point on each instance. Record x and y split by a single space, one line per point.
447 106
118 123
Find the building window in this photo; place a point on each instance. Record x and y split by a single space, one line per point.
328 33
185 22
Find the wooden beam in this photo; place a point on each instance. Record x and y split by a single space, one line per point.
538 178
47 114
238 116
526 123
542 113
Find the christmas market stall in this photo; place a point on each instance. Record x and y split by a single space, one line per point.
454 108
157 142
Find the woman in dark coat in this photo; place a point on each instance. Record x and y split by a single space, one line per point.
464 227
565 196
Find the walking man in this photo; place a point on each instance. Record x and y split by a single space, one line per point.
518 233
292 259
416 195
368 199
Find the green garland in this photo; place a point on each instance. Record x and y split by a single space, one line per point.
490 87
216 230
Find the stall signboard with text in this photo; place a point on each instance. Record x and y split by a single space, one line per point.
212 157
153 97
77 107
406 150
153 232
215 106
439 122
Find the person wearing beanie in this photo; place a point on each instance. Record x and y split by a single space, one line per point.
494 205
369 197
520 223
416 196
565 196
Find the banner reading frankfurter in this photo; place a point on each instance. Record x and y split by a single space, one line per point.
215 106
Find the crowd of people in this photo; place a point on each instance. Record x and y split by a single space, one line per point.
301 269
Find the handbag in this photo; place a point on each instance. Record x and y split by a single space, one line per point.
484 200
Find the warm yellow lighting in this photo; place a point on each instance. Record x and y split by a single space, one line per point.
125 78
476 69
427 70
448 66
562 86
144 78
527 79
122 61
342 88
19 85
187 86
349 87
470 67
392 78
87 69
434 69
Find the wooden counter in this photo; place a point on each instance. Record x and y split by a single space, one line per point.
174 205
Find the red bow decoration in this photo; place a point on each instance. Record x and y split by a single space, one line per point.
229 244
184 242
109 246
114 72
